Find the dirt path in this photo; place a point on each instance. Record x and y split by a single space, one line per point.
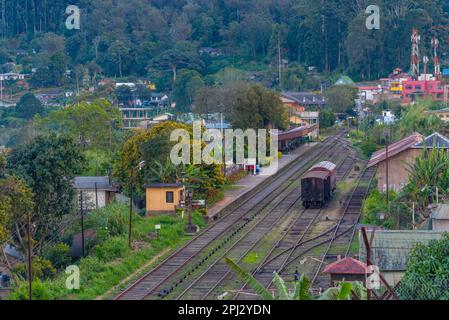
129 278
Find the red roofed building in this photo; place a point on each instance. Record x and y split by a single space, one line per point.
347 269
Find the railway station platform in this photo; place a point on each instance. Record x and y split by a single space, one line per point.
250 182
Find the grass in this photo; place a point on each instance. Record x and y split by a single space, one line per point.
251 258
100 272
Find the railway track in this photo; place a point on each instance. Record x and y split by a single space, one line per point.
162 280
211 282
343 235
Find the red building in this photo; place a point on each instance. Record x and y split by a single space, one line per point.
414 89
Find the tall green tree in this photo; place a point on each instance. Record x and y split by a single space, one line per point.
29 106
48 164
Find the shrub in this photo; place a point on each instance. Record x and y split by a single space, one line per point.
111 249
42 269
40 291
58 255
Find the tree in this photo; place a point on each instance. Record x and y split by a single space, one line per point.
90 123
182 55
29 106
258 107
48 164
427 274
341 99
327 119
186 88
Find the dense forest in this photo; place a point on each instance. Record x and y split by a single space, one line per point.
158 38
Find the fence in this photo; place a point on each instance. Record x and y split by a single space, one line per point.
419 288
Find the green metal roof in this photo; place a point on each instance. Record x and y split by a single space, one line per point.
390 248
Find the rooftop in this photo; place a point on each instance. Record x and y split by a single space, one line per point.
346 266
305 98
390 249
395 148
88 183
440 211
163 185
435 140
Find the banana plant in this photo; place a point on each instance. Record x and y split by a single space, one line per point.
301 290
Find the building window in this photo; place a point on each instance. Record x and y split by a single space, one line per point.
169 197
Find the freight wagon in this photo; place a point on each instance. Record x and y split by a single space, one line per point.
319 184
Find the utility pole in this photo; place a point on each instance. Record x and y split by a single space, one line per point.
82 224
96 196
131 209
30 271
387 172
280 62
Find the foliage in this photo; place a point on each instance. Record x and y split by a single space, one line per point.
415 119
430 171
327 119
40 291
41 269
16 200
29 106
58 255
101 274
373 205
48 164
257 108
341 98
90 123
111 249
427 266
301 290
187 85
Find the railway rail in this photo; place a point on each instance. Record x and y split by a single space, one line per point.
230 224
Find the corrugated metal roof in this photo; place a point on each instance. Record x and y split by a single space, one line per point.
435 140
440 212
88 183
390 249
395 148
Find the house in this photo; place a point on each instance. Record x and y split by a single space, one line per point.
390 250
400 156
443 114
11 76
346 270
439 218
387 117
414 89
164 197
96 191
344 80
301 101
369 93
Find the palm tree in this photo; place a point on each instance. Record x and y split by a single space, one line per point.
301 289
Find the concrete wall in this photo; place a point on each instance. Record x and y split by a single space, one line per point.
156 199
398 174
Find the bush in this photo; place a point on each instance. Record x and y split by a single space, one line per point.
113 248
42 269
58 255
40 291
